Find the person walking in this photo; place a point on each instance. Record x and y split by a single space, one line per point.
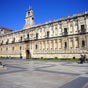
84 58
81 59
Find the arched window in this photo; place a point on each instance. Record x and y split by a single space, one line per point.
32 18
83 43
65 45
28 13
36 46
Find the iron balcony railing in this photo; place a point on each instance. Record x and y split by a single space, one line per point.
82 31
26 39
64 33
20 41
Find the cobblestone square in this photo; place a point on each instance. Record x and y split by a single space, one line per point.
43 74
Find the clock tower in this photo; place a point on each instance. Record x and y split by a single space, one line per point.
29 19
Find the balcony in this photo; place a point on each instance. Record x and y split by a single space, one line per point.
26 39
64 33
20 41
82 31
13 41
7 42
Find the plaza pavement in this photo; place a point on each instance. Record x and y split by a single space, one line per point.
43 74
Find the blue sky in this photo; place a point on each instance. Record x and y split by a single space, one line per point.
12 12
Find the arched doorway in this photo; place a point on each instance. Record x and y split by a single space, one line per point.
27 54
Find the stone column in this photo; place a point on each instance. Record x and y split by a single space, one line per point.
52 44
76 44
40 45
56 44
47 44
43 45
80 43
59 44
71 45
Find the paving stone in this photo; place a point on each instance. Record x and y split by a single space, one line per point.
77 83
42 74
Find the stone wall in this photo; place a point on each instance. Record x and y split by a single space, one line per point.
62 38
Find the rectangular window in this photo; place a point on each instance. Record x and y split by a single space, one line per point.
65 31
47 34
82 27
36 35
83 30
28 36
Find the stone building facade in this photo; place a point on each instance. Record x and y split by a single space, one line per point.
63 38
4 30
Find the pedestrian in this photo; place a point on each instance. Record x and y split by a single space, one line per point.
84 58
0 63
81 59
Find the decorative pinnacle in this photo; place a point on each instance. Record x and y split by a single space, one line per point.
29 7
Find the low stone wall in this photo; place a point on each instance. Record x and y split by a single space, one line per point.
56 55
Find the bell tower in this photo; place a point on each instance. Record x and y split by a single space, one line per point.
29 19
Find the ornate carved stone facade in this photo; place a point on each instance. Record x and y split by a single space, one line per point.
62 38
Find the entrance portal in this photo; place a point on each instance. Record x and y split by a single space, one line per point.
27 54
